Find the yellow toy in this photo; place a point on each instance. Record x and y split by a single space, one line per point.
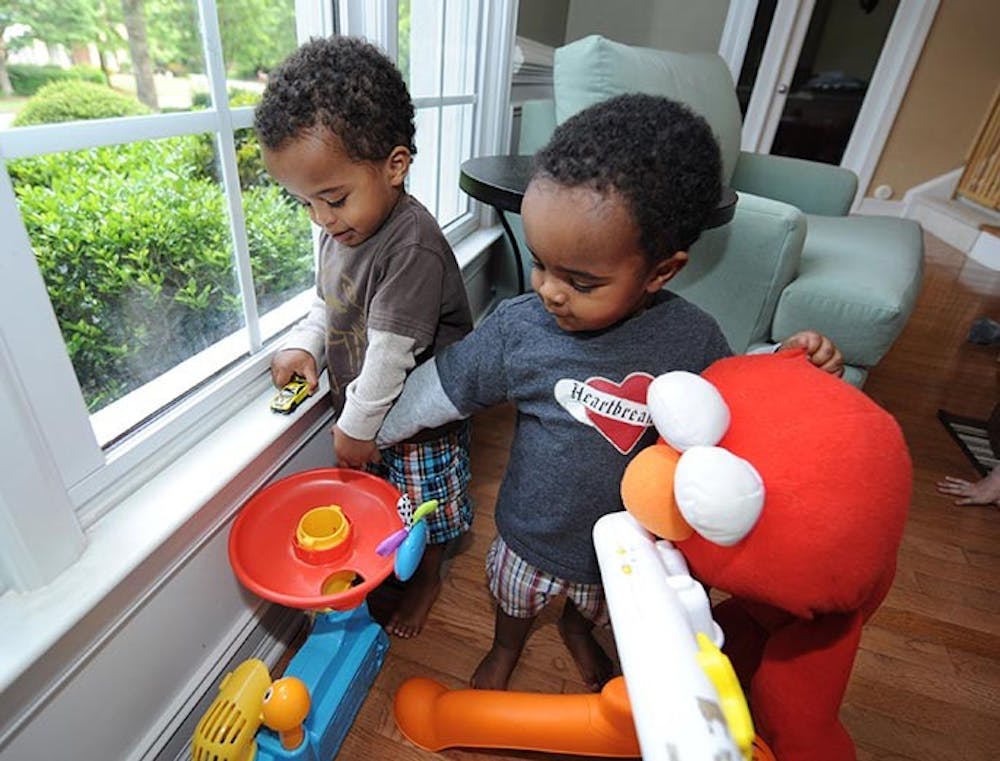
247 698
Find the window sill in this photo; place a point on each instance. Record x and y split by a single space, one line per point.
247 450
476 246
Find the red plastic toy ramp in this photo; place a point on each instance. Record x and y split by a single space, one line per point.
262 539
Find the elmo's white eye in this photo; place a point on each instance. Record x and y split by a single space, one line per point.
267 695
687 410
719 494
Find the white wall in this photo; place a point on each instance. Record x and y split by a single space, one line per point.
112 687
680 25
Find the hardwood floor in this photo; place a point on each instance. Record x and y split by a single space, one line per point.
926 683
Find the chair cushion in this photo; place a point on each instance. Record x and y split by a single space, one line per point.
857 283
595 68
737 272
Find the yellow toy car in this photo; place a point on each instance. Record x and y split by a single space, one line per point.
290 396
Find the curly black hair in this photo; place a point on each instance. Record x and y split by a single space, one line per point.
344 84
657 154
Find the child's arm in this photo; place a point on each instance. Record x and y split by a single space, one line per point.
464 377
303 350
388 358
423 404
822 352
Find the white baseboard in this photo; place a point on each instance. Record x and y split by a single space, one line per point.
986 250
875 207
268 638
942 186
940 223
955 221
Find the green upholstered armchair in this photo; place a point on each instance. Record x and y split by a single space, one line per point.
854 278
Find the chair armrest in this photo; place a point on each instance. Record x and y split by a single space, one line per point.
858 282
813 187
538 122
737 272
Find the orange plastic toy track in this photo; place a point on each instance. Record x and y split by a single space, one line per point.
433 717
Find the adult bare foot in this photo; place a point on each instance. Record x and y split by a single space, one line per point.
985 491
577 633
493 671
419 596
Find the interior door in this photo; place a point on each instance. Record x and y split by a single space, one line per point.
808 69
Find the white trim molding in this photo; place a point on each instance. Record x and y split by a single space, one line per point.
736 34
888 86
878 208
777 65
986 250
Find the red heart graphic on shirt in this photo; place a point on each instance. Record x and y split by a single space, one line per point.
622 433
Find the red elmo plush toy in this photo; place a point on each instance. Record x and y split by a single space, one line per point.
797 512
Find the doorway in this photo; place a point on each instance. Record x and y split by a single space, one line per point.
823 79
840 45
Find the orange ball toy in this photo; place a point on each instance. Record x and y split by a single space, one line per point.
285 707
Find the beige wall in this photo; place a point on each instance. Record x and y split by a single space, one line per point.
679 25
947 98
543 21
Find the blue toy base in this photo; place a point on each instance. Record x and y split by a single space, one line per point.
338 663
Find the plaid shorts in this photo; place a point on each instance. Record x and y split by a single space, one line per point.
436 469
522 591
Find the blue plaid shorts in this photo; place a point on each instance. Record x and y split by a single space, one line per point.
522 590
436 469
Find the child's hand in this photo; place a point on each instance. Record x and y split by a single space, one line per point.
821 351
351 452
289 362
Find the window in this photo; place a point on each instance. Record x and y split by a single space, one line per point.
162 244
147 259
444 96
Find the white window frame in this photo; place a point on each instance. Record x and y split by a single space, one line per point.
59 490
91 480
377 21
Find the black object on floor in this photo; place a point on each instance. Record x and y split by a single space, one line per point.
985 331
972 437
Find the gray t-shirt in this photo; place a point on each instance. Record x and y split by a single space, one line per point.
581 413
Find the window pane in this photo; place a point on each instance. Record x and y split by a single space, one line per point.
250 50
279 235
424 47
152 50
423 177
456 147
460 44
423 44
134 245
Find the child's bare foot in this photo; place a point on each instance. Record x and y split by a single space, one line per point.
594 664
493 671
419 596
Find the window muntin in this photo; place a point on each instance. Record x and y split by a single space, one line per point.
437 52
